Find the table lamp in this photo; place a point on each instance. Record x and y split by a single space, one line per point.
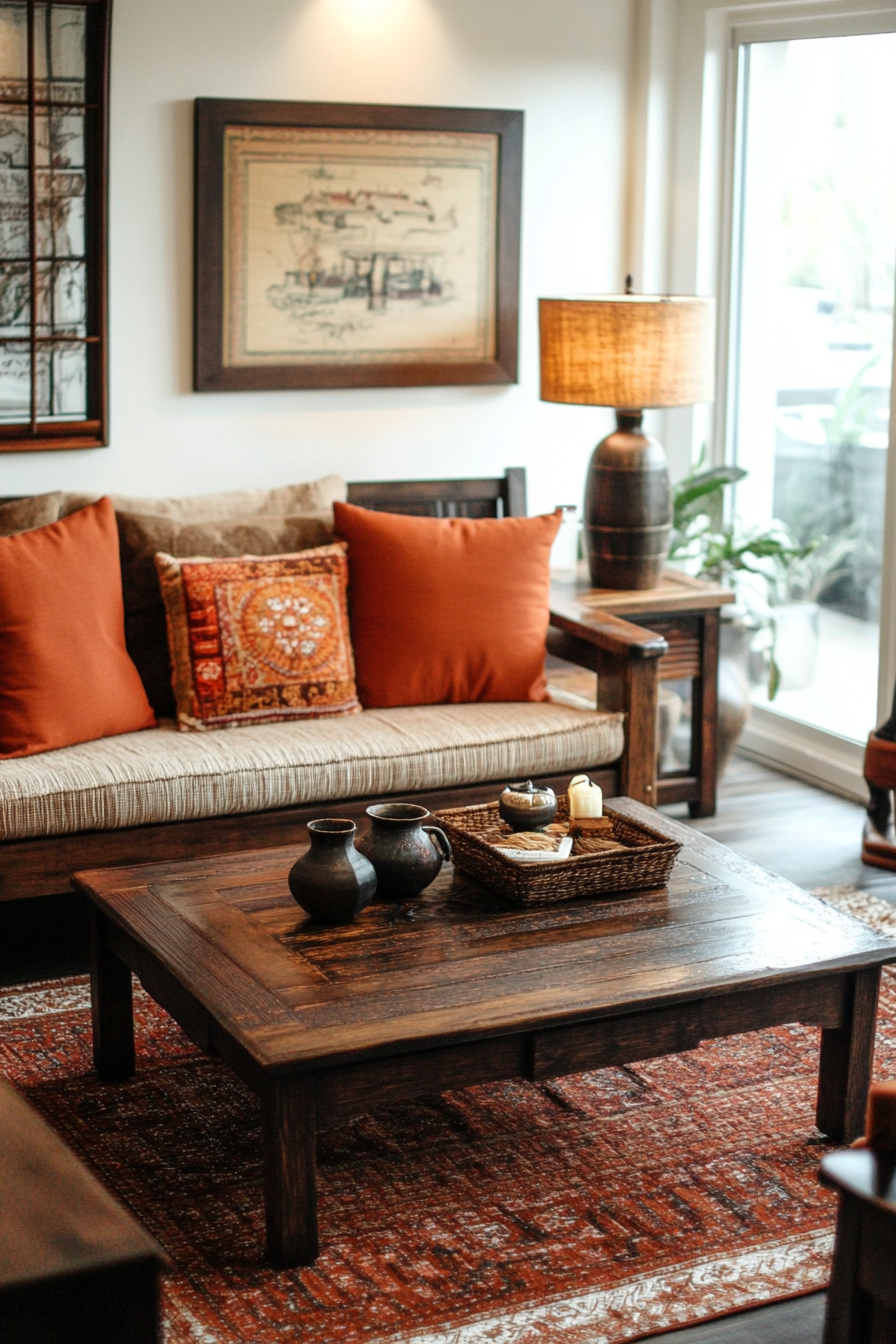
629 351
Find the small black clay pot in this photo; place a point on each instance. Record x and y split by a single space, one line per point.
406 854
527 807
332 881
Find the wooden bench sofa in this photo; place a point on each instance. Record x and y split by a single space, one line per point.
162 795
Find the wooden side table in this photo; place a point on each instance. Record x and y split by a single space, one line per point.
685 612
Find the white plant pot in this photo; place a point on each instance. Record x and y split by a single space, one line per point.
734 685
796 644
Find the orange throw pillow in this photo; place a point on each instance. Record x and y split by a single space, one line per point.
65 674
447 610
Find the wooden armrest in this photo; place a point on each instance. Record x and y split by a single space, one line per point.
626 658
611 633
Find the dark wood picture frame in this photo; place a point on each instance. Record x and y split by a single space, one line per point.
212 369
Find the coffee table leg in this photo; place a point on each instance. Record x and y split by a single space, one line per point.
847 1053
112 1005
290 1176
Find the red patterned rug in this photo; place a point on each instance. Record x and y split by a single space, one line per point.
594 1209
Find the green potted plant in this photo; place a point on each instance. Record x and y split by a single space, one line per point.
753 562
771 632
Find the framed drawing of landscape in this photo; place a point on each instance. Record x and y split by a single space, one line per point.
350 245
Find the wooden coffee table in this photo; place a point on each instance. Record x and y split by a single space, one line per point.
459 988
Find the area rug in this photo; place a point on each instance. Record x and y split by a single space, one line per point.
595 1209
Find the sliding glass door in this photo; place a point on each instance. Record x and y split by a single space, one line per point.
811 353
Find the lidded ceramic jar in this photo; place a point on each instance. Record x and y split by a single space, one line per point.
528 806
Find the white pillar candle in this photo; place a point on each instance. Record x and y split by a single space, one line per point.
585 799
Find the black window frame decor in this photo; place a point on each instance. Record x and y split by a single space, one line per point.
35 431
213 272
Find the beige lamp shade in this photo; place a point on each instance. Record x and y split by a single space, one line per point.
628 350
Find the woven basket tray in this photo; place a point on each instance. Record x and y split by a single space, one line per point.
647 864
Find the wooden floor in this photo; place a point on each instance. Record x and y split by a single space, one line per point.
814 838
807 835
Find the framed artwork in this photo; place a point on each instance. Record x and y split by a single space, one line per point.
350 245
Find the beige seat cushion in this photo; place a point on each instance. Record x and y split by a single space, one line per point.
161 775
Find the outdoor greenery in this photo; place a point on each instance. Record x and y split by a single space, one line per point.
827 506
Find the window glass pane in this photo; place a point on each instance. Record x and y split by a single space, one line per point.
59 139
13 51
59 52
67 139
818 241
62 298
61 183
15 383
14 226
60 219
62 383
15 308
14 140
41 34
68 32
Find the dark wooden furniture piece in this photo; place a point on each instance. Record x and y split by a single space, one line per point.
329 1022
476 497
861 1305
685 613
628 653
75 1268
879 834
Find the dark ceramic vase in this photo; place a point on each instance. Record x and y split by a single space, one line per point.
406 854
332 881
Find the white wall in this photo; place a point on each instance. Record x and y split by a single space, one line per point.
564 63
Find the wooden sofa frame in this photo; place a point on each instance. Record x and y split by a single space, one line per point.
624 656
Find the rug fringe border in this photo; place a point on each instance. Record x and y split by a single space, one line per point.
512 1327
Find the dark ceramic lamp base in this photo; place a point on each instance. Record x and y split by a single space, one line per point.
628 508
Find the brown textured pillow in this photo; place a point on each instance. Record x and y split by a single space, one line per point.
307 497
284 519
24 515
142 536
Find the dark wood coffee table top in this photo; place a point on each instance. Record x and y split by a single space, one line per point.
459 963
458 988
